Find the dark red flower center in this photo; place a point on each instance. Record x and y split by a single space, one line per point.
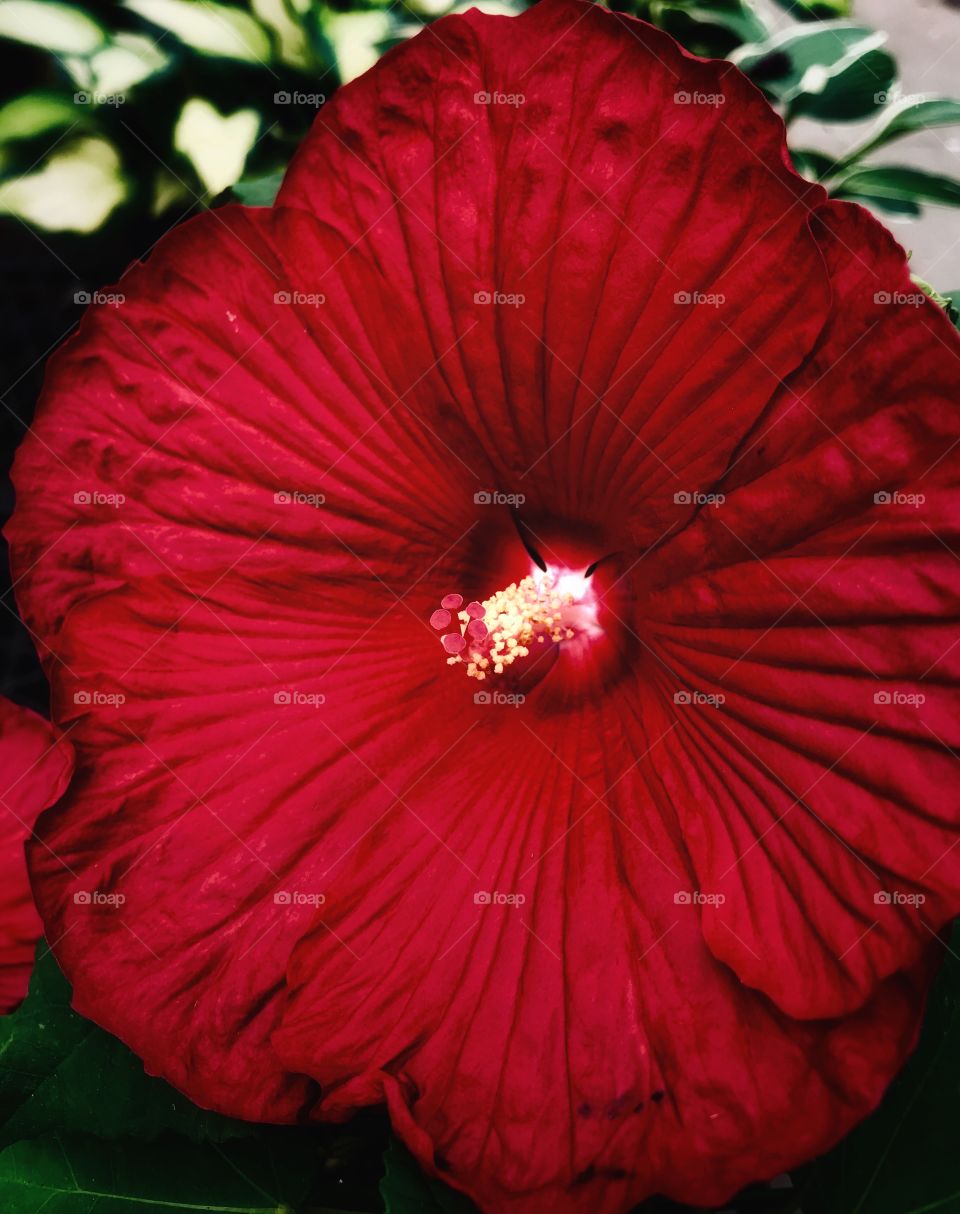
556 602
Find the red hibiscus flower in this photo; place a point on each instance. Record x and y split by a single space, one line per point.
36 764
545 347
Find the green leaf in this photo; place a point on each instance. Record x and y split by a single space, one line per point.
851 89
79 1174
902 117
217 145
407 1190
892 206
944 301
355 39
59 1072
898 1161
259 191
737 17
835 71
212 29
59 28
293 45
781 60
811 164
167 189
953 306
126 61
897 184
816 10
36 114
76 190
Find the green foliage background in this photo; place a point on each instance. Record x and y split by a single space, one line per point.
161 107
84 1130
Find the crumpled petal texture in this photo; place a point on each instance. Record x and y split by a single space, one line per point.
35 767
665 926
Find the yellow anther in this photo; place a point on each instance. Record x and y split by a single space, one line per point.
526 611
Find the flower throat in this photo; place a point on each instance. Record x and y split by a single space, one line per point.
544 607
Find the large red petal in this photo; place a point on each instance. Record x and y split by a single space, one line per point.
820 598
36 764
234 489
213 412
569 1040
604 187
231 750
